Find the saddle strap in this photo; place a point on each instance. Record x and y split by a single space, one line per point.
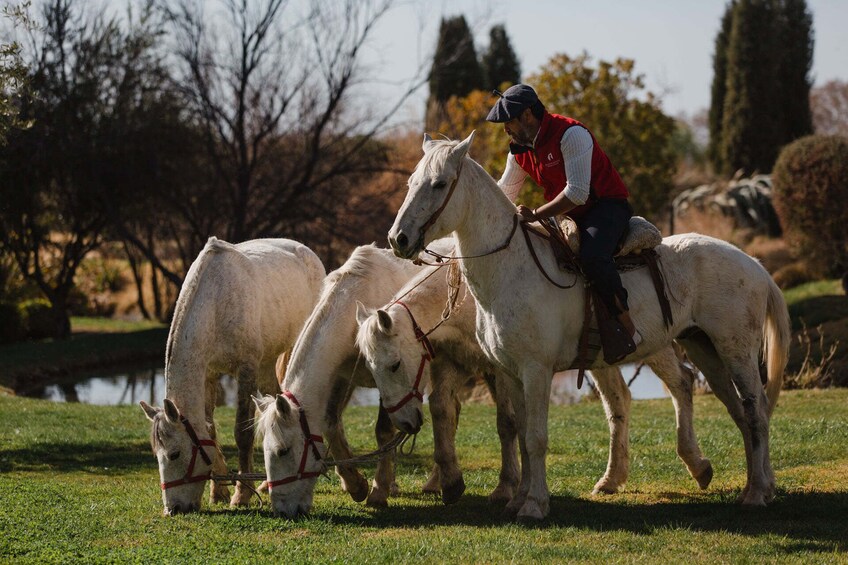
652 260
583 350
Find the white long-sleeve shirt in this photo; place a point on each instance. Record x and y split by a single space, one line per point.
576 146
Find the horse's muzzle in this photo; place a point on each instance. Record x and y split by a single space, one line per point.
401 245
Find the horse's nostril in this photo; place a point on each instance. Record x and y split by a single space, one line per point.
402 240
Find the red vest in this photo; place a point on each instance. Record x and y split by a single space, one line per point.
546 166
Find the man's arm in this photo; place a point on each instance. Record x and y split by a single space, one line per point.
512 179
577 149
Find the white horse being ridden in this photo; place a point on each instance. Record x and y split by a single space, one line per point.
398 357
318 384
239 308
725 306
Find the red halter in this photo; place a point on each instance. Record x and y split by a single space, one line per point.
428 355
309 441
197 446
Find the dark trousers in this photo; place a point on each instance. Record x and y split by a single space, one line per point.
601 229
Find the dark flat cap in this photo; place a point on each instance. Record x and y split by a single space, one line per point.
514 100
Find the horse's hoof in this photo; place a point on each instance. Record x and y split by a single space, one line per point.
605 486
705 476
240 499
263 487
377 499
220 495
452 493
359 490
754 499
502 494
531 512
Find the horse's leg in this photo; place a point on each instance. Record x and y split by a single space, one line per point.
353 482
744 372
678 380
218 492
616 400
700 350
384 479
243 431
515 391
444 410
536 381
507 431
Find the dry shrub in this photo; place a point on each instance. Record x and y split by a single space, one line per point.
706 222
773 253
817 368
794 274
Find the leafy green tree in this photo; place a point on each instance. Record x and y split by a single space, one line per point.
500 65
84 150
795 30
761 86
719 88
627 121
455 70
13 73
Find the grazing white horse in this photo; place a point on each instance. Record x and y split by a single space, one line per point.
239 308
726 310
317 386
398 359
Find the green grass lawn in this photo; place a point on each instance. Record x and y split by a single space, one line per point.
79 484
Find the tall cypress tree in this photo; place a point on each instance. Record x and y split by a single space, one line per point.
796 37
456 70
752 124
719 88
500 64
761 86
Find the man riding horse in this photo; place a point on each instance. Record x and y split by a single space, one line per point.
562 156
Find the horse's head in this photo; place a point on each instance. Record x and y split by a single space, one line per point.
395 358
430 208
185 459
291 476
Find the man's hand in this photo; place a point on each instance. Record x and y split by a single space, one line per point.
526 213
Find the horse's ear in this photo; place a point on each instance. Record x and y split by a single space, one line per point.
282 405
257 400
426 142
280 367
171 411
385 320
362 313
149 410
462 148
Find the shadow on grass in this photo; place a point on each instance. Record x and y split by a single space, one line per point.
813 519
106 457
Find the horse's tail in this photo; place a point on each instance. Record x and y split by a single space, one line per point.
776 339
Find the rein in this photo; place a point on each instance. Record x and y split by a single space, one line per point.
527 230
196 447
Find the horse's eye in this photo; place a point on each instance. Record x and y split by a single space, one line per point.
439 184
395 367
283 451
174 455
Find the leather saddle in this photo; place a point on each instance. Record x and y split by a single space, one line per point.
603 331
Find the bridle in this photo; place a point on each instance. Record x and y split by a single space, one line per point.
428 354
196 447
310 440
435 216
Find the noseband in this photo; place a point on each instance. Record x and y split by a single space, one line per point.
196 447
427 355
310 440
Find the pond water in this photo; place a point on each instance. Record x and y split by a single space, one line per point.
130 386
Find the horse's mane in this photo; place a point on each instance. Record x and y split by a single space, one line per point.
265 423
361 262
365 337
189 289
